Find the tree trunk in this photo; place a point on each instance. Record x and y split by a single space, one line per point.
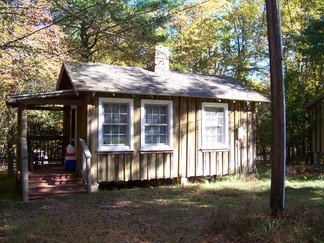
277 194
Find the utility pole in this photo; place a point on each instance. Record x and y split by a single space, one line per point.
278 150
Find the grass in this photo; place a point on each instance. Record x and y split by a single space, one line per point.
231 209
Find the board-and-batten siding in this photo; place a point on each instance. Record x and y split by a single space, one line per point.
317 130
187 159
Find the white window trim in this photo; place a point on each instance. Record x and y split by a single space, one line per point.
101 146
149 147
218 146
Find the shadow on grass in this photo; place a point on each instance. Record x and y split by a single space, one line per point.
8 187
227 210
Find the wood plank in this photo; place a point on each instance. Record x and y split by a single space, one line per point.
149 167
121 166
159 169
198 127
237 142
136 167
144 170
211 165
101 170
183 136
90 132
244 143
53 102
232 154
174 163
251 138
191 145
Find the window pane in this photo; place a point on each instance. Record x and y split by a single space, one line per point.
163 119
156 109
122 130
106 129
163 139
163 109
115 127
148 109
122 139
123 118
123 108
148 139
156 119
148 119
107 108
106 139
115 108
114 139
156 124
214 125
163 129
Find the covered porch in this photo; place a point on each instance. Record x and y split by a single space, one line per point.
42 156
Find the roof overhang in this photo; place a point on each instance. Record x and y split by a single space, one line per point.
96 77
317 99
39 100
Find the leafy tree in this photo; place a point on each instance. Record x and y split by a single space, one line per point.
30 56
226 38
113 31
303 38
223 38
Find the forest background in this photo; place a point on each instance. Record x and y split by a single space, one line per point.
217 37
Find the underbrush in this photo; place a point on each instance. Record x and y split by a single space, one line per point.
252 223
8 187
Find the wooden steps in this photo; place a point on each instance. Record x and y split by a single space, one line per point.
53 184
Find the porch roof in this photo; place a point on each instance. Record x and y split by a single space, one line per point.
38 100
95 77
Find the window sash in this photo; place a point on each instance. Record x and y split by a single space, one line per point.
156 124
215 125
115 124
156 120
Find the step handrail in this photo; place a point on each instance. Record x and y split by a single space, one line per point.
87 155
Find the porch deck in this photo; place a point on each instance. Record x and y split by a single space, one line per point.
44 184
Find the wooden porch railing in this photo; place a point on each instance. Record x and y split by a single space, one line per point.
45 151
86 165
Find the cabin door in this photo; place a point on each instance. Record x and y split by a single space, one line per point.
73 126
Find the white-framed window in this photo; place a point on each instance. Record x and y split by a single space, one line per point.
115 124
156 124
214 126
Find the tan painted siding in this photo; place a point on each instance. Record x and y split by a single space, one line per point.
187 159
317 131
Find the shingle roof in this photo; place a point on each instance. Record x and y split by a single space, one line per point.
132 80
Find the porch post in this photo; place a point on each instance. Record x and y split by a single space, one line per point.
22 139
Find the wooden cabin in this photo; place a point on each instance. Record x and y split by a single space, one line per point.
136 124
316 109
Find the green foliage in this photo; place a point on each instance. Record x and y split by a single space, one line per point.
312 37
113 31
303 32
45 122
31 54
210 37
221 38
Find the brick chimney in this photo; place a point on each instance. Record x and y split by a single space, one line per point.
161 63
